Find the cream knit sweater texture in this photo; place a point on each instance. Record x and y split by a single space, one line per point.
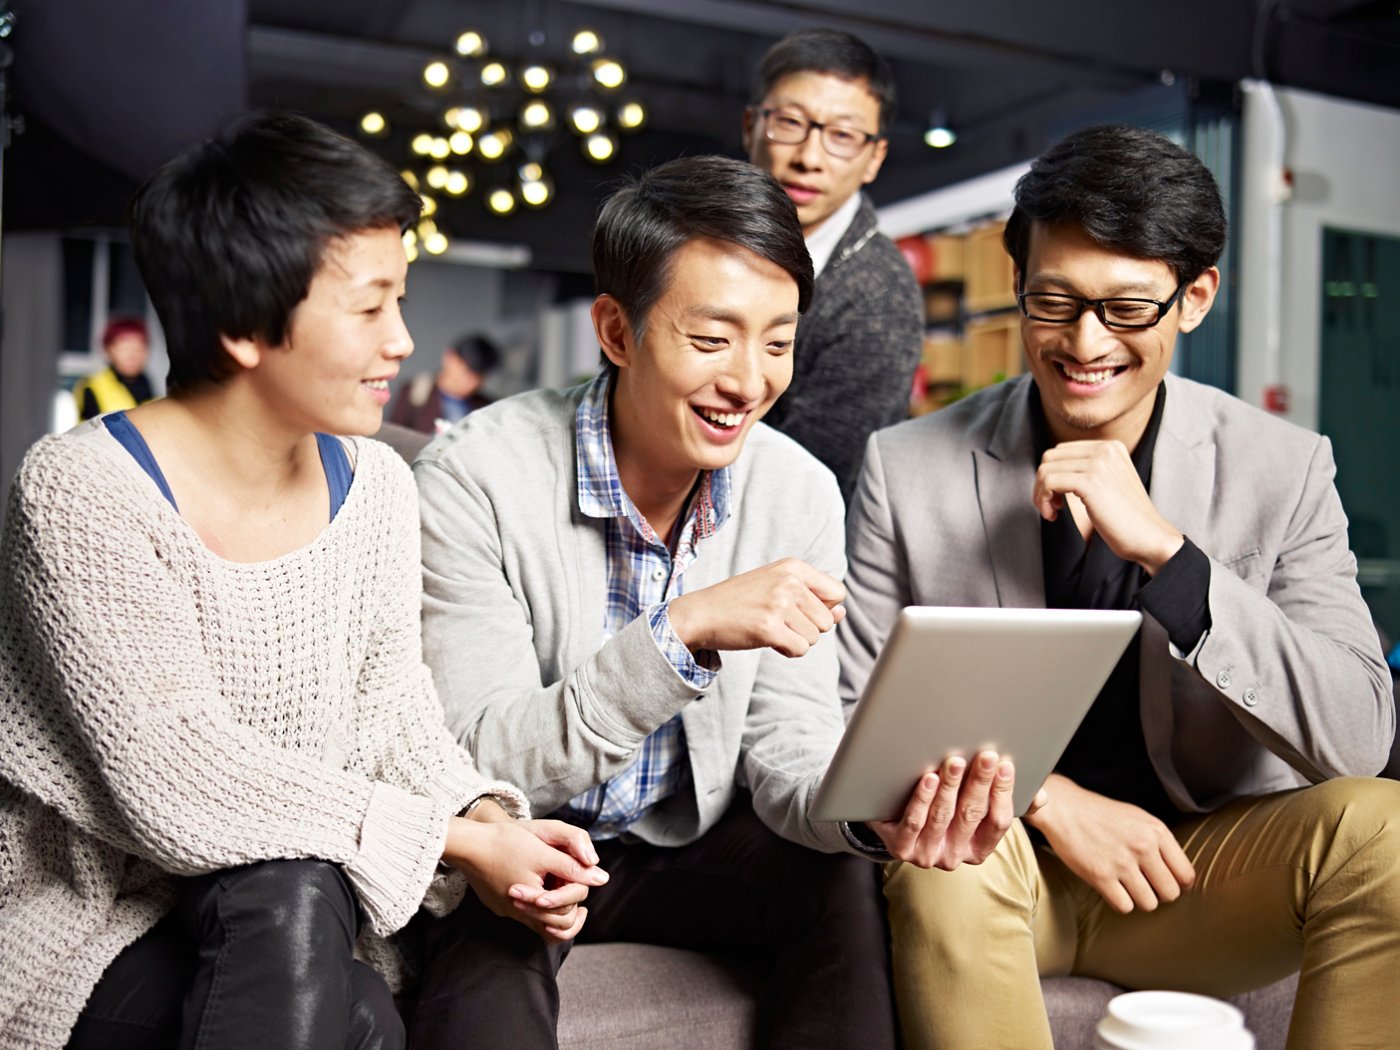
165 712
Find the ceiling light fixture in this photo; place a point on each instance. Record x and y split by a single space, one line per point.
940 134
495 107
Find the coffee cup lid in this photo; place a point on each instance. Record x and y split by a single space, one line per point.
1172 1021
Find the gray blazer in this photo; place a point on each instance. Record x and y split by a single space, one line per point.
1287 686
513 613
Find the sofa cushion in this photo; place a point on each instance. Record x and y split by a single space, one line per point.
643 997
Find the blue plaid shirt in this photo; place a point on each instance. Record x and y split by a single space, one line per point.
642 579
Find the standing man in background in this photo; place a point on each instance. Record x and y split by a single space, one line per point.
823 103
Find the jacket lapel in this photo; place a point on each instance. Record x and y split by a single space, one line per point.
1005 475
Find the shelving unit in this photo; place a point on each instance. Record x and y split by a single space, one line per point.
972 328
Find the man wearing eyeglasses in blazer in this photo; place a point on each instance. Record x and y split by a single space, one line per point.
823 103
1213 825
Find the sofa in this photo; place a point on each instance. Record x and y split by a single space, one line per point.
639 997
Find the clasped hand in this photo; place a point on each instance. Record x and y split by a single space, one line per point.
537 872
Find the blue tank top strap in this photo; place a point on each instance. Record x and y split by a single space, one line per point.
337 467
130 439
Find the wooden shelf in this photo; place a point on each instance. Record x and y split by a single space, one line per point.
991 350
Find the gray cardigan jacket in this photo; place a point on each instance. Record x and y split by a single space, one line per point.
857 347
513 613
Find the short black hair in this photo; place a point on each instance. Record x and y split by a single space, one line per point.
477 352
829 51
1132 190
229 234
644 223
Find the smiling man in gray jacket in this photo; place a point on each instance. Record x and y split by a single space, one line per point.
626 585
1213 825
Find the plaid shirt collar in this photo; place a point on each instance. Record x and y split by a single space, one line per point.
600 492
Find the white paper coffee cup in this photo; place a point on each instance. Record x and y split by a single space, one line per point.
1171 1021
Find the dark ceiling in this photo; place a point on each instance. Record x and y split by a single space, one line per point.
108 90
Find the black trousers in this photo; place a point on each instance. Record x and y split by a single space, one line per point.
251 957
815 920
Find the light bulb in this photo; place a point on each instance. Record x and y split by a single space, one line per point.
586 42
457 183
536 115
494 74
460 143
373 123
536 78
436 74
501 201
600 147
585 119
608 72
471 44
631 116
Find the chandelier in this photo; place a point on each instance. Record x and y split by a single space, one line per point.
491 123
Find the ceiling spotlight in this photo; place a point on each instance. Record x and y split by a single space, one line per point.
585 119
429 205
501 201
600 147
435 243
530 172
939 135
436 74
409 178
457 183
586 42
493 145
471 44
536 193
536 78
437 176
460 143
608 72
494 74
373 123
631 116
441 148
422 144
536 116
410 248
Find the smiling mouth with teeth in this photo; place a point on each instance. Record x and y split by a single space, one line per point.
724 420
376 384
1090 376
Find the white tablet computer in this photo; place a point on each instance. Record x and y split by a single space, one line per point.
957 681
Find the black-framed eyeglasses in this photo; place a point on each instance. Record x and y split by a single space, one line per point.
1059 308
790 129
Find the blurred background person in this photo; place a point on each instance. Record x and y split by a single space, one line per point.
432 403
123 383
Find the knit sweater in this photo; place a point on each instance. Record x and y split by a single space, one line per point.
856 351
164 712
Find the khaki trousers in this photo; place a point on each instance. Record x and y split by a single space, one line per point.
1305 880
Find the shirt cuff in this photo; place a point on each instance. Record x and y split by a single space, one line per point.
1178 597
698 669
